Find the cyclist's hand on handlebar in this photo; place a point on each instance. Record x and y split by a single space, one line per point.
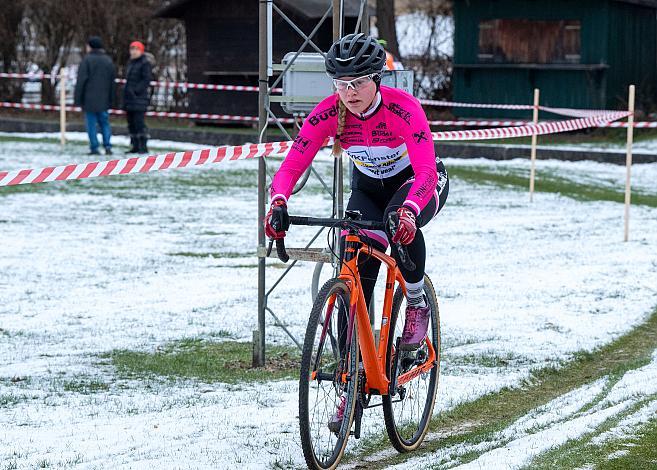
406 227
277 220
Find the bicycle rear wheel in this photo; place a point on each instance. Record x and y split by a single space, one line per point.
329 374
408 413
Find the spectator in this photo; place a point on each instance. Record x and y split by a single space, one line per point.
136 98
391 62
94 91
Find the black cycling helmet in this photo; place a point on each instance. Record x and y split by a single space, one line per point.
355 55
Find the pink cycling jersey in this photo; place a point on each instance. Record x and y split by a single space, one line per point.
381 142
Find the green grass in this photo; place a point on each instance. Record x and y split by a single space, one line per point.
85 385
479 420
549 183
484 360
639 448
206 361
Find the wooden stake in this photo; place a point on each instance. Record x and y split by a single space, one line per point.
532 171
62 106
628 161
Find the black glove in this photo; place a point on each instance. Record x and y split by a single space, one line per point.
277 220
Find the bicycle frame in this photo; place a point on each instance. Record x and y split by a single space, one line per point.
374 355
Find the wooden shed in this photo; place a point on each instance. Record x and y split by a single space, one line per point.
581 54
222 44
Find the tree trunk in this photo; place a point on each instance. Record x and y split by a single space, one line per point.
385 23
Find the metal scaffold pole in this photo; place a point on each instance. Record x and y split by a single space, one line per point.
338 180
263 82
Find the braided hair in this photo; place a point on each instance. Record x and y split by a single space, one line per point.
342 117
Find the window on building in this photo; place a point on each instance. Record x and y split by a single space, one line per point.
529 41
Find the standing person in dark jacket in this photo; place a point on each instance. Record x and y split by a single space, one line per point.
135 97
94 92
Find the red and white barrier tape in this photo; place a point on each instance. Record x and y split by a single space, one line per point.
199 86
473 123
216 155
481 122
541 128
205 86
227 117
455 104
214 117
570 112
30 76
142 164
639 124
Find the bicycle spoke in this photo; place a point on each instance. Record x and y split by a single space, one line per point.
321 393
408 413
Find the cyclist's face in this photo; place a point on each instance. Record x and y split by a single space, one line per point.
358 98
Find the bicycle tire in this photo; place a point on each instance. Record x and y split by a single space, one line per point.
309 429
401 443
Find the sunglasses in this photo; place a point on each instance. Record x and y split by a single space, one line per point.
355 84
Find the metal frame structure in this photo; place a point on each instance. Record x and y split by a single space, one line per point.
266 70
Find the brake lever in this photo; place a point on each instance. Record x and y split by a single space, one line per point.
280 250
404 259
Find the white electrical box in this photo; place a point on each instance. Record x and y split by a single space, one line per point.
306 83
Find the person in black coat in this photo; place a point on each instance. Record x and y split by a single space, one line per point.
136 97
94 92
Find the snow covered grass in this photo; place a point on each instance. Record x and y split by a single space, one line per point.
553 419
139 263
586 181
208 361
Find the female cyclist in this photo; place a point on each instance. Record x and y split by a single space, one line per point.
386 134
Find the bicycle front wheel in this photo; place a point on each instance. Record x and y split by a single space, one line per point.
329 377
408 413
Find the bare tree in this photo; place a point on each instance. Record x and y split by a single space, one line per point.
385 24
10 38
119 22
430 31
44 33
53 26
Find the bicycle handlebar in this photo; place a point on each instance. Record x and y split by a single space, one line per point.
404 257
330 222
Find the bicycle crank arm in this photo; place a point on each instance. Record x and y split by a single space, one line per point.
395 366
357 420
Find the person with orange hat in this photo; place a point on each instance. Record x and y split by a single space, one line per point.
136 98
391 62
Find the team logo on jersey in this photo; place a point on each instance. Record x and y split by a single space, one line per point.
300 144
381 133
324 115
420 136
379 161
382 125
428 185
401 112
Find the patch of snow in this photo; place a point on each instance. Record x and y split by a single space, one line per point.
102 264
617 454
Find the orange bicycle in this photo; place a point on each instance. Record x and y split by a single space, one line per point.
342 360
